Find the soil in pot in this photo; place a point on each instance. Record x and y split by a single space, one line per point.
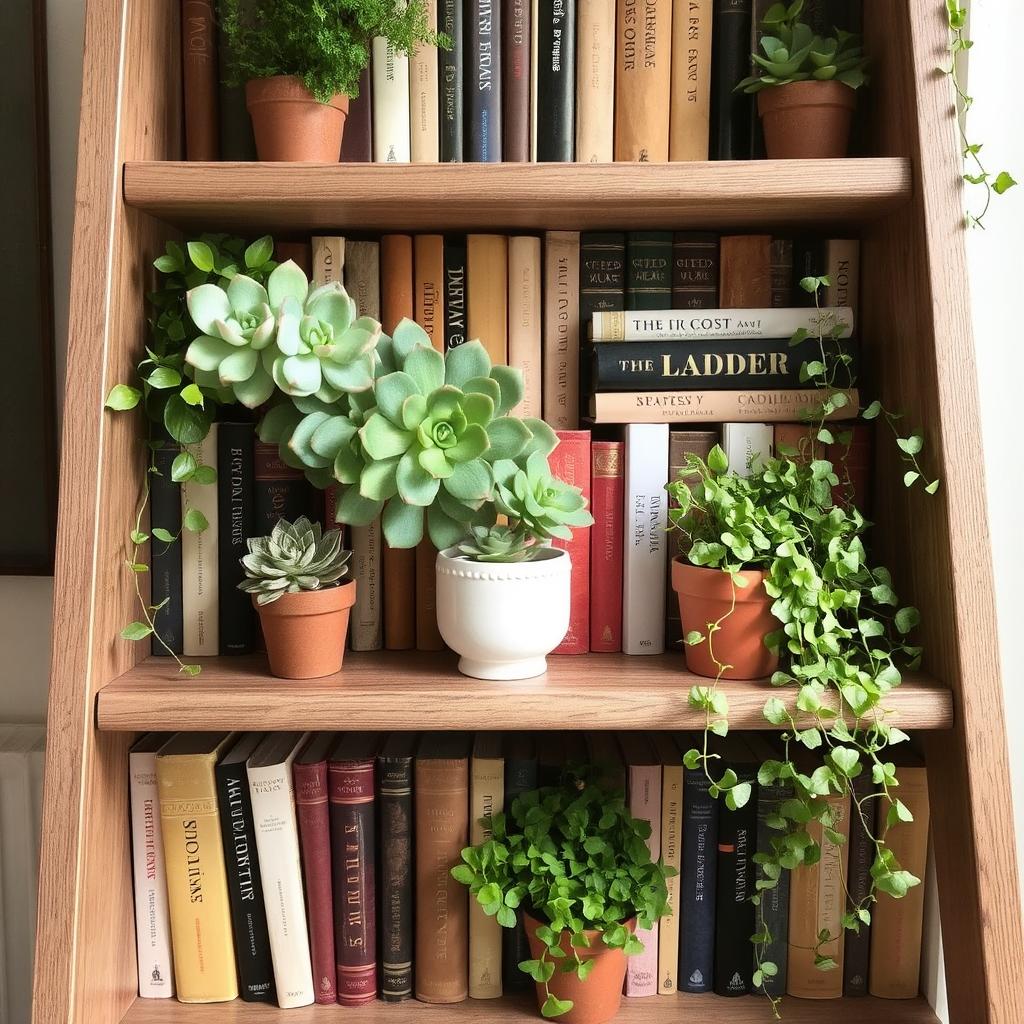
290 125
706 595
595 1000
305 632
807 120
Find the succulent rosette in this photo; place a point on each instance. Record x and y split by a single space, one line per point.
539 504
497 544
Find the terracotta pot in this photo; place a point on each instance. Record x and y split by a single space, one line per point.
705 595
305 632
595 1000
290 125
806 120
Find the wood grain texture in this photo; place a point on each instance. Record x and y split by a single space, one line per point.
368 197
411 690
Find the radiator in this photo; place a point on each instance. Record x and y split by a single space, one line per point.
21 799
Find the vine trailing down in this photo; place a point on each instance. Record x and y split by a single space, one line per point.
843 637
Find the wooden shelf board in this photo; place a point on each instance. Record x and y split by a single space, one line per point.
694 1009
413 690
298 198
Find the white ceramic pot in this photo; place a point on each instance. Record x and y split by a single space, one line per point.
503 618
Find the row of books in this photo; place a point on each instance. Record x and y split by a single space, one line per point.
299 868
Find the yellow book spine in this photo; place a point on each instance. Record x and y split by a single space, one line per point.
487 280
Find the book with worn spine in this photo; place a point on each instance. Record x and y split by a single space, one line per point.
487 294
595 82
643 80
516 61
482 81
424 109
556 80
454 291
486 797
561 329
525 312
450 21
199 80
279 491
667 753
695 267
200 563
570 462
391 109
745 272
730 133
782 274
606 541
602 289
648 270
690 113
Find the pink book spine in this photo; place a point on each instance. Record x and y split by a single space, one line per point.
645 803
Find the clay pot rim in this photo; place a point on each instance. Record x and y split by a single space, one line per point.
806 94
704 581
334 598
288 89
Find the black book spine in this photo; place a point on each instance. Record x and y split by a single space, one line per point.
774 902
236 518
454 291
857 951
520 776
394 793
730 64
649 270
237 141
450 81
696 263
279 491
556 80
483 81
602 289
729 365
737 844
782 273
165 559
825 16
245 889
697 884
810 259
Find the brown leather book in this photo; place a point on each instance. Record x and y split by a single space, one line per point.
299 252
357 142
428 636
199 72
691 80
428 285
442 832
515 85
643 80
745 272
487 291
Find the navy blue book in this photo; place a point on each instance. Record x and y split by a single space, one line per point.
450 72
482 81
236 517
556 80
520 776
165 559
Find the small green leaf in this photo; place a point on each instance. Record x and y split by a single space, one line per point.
694 637
1003 183
194 521
138 537
164 535
932 487
911 445
191 670
122 398
164 377
136 631
205 475
906 619
872 411
259 252
910 478
201 255
192 395
555 1007
183 467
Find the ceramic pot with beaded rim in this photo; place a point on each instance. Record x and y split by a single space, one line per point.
503 618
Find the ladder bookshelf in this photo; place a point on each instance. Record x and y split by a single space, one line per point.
133 194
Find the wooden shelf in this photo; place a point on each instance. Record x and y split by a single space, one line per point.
410 690
653 1010
292 198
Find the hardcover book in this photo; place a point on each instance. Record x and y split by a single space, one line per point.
357 140
516 76
810 259
695 268
482 79
486 797
328 254
648 269
366 630
279 491
602 289
570 462
165 559
391 112
746 272
428 286
520 777
782 273
730 54
450 19
423 100
606 544
199 560
690 111
595 82
428 636
857 951
199 77
561 329
842 258
556 80
454 291
747 446
525 319
643 80
245 885
362 276
667 753
236 516
487 293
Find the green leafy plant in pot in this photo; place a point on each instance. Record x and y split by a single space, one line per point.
806 86
574 865
300 63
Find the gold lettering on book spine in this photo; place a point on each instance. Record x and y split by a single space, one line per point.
608 462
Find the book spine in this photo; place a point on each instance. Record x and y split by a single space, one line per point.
245 886
718 324
391 113
362 276
428 636
311 809
645 542
483 81
595 82
782 273
690 112
152 921
487 294
643 80
730 110
165 559
671 855
442 905
454 291
394 795
745 279
732 365
810 259
570 462
515 82
451 77
350 786
561 329
534 55
428 286
648 270
300 253
602 289
237 141
425 144
367 621
606 540
556 80
842 258
328 259
712 406
279 491
486 797
357 141
236 516
199 74
774 902
695 266
199 562
645 805
525 320
857 952
698 884
520 777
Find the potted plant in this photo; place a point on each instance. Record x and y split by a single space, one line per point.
575 863
300 63
297 580
806 88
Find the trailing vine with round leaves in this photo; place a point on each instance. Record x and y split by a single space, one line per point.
843 637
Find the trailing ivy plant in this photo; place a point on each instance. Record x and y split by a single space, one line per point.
843 638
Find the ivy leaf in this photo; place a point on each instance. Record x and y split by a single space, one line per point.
201 255
506 917
192 395
183 468
693 638
164 377
164 535
932 487
194 521
122 398
191 670
136 631
906 619
738 796
205 475
775 712
873 411
1003 183
138 537
555 1007
911 445
259 252
847 760
910 478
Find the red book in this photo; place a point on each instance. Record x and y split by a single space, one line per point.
608 486
309 771
350 774
570 462
199 73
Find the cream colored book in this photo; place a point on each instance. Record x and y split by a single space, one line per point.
423 98
328 258
690 111
643 80
487 294
200 570
561 329
391 114
486 797
671 854
595 82
525 319
534 18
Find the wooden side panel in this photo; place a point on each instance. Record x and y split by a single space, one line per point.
917 319
85 964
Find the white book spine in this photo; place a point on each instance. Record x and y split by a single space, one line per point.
747 445
391 115
328 258
366 571
712 324
200 575
645 554
277 842
152 921
524 319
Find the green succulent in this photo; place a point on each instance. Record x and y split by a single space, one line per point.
540 504
793 53
499 544
294 557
